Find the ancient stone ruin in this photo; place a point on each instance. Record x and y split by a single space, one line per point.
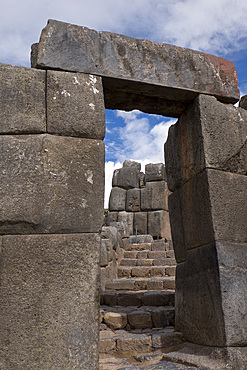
140 200
52 188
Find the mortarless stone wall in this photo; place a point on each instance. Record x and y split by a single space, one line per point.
51 214
140 201
52 171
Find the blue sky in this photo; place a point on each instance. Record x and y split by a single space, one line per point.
213 26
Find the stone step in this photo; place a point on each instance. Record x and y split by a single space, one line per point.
146 271
155 246
133 317
140 239
137 298
148 262
144 254
156 283
138 341
139 247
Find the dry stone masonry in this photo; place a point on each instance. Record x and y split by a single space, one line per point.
51 206
140 201
52 171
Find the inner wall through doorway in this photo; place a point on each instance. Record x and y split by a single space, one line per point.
133 135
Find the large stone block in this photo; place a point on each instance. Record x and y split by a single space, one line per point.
134 164
51 184
209 134
111 217
127 218
154 196
159 224
49 296
128 177
133 200
140 223
22 96
115 177
75 105
155 172
138 72
210 293
211 206
117 199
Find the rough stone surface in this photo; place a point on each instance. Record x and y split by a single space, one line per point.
133 67
51 184
22 96
154 196
115 177
243 102
206 357
209 134
140 223
127 218
133 164
159 318
166 339
140 319
213 207
75 105
115 320
141 239
177 227
133 200
155 172
49 301
135 344
103 255
159 224
209 288
117 199
128 177
111 217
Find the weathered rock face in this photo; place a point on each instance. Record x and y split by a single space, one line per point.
47 306
208 135
137 68
49 185
133 200
75 105
117 199
155 172
210 287
154 196
159 224
206 159
22 96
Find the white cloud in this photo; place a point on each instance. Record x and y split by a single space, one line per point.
208 25
139 141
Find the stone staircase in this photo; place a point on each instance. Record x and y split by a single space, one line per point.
137 309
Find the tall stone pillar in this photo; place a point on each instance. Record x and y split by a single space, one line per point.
206 161
51 213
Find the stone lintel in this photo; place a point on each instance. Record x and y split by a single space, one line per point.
164 74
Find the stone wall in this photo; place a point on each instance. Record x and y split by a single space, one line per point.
51 214
206 156
52 177
140 201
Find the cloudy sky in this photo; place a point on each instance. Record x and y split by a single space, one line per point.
214 26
